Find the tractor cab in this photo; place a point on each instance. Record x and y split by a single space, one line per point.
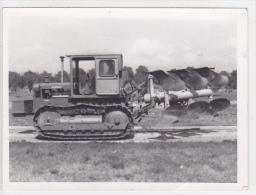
105 81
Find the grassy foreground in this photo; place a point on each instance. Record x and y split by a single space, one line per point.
124 162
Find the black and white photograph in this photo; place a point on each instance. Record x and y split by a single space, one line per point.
125 98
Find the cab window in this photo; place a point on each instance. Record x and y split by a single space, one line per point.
107 68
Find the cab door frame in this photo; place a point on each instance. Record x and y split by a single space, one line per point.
107 85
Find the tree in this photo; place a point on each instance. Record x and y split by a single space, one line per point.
140 75
57 77
46 74
130 72
28 79
233 80
14 81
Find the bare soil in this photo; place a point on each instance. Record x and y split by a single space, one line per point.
222 118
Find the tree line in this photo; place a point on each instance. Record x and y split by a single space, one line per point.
20 81
232 76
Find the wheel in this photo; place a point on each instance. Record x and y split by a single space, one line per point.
129 88
117 117
48 118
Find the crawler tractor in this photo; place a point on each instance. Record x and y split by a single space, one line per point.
108 108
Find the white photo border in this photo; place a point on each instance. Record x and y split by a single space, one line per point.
243 88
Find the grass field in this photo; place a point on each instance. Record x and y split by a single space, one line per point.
127 162
124 162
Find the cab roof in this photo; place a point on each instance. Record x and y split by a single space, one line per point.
94 55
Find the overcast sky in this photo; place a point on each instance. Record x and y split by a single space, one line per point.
157 38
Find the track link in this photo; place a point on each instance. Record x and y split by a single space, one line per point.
123 135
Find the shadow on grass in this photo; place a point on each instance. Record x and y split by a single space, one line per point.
177 134
27 132
127 137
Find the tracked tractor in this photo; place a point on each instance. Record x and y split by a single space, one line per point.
107 107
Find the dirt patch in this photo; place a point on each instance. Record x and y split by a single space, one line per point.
222 118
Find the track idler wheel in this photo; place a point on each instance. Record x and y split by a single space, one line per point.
48 118
117 117
219 104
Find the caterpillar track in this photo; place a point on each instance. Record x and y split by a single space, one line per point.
83 122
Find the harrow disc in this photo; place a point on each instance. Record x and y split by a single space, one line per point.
172 114
199 107
175 110
219 104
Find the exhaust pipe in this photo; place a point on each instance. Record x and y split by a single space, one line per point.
151 91
46 79
62 68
